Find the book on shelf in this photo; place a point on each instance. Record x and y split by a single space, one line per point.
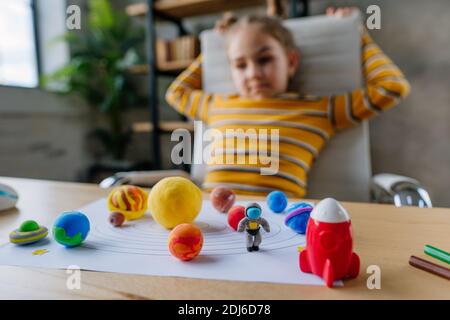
179 49
162 51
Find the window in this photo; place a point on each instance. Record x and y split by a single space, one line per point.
18 53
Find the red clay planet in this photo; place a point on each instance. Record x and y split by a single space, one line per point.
185 241
222 199
235 214
116 218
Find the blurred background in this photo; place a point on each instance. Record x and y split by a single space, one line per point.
74 99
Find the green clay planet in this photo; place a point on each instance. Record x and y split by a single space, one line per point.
28 232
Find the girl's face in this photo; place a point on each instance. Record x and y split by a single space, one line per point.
260 66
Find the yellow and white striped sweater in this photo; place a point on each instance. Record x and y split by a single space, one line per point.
304 124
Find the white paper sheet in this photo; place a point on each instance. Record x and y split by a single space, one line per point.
140 247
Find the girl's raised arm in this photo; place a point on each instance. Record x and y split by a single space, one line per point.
385 86
185 94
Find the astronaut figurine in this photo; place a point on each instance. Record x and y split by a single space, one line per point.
251 223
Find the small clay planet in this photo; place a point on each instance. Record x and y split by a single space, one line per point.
185 241
298 216
28 232
175 200
222 199
71 228
116 218
277 201
235 215
129 200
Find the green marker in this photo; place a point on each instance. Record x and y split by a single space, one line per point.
437 253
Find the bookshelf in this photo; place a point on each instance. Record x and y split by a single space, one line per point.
189 8
172 67
165 126
175 11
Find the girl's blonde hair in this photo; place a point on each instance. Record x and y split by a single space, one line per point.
271 26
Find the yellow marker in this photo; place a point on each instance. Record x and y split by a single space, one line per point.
300 248
39 252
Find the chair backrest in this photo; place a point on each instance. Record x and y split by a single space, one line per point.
330 64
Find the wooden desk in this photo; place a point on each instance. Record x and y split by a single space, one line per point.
384 235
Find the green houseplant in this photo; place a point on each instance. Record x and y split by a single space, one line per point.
101 54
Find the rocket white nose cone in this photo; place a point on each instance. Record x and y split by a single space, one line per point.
329 210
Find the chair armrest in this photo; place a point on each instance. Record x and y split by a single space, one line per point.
398 190
141 178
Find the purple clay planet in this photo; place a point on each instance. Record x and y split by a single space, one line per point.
298 216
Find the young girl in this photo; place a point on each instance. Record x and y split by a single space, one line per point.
263 58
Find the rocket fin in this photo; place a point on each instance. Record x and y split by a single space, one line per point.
304 262
328 273
354 266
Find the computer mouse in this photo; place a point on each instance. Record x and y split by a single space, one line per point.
8 197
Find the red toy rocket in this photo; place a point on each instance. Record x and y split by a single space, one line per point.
329 243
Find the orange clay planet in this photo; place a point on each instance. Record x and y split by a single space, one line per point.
131 201
185 241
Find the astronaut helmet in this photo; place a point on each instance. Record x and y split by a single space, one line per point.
253 211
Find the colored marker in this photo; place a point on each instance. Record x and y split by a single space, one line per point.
437 253
429 267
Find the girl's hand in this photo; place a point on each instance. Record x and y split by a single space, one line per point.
224 23
340 12
345 12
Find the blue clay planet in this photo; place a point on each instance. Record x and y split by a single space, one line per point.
71 228
298 216
277 201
